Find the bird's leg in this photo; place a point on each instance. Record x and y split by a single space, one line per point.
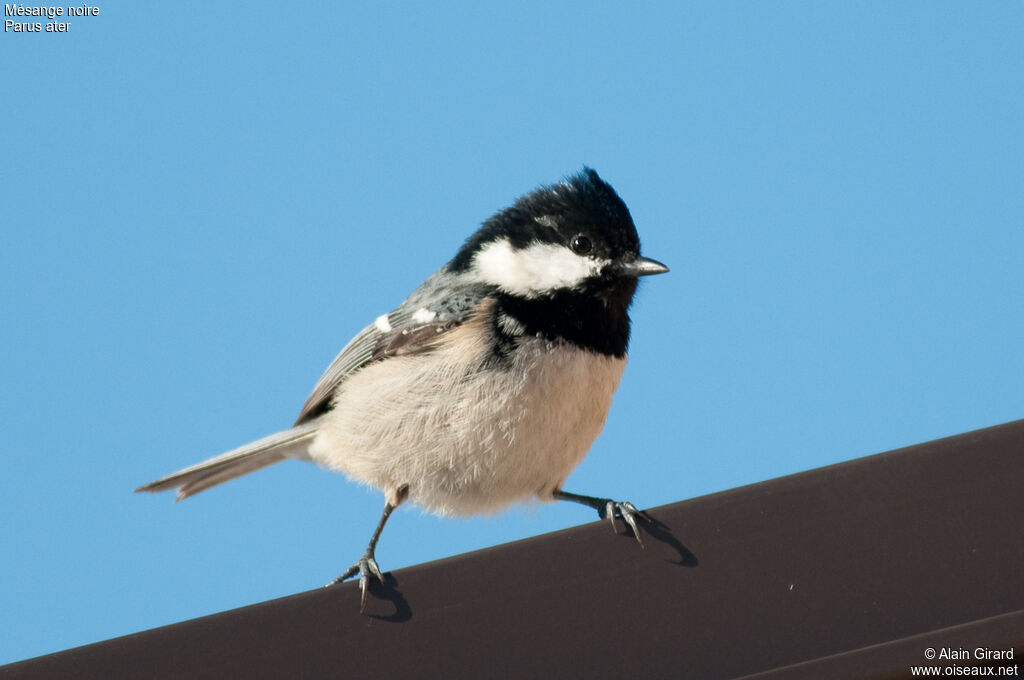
367 564
608 509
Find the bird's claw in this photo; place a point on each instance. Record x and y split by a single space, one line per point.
365 567
629 514
607 508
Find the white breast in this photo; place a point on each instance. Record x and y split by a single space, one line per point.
466 442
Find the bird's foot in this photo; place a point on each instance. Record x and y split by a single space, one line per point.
609 509
365 567
625 510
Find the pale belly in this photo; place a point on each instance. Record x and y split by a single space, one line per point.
463 444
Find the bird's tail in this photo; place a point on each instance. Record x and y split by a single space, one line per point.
253 456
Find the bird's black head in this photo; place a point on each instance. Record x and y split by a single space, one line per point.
564 260
573 235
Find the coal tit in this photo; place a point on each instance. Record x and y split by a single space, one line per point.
489 384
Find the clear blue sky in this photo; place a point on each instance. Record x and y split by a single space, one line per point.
200 205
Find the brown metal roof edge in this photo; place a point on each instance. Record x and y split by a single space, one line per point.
841 571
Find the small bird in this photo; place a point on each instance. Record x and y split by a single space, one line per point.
489 383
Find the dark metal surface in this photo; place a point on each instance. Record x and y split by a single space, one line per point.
851 570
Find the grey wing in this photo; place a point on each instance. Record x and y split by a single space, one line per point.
438 305
356 354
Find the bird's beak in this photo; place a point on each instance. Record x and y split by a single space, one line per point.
642 266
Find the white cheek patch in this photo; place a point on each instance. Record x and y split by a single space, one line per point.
532 270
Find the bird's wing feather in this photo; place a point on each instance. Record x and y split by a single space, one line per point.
414 326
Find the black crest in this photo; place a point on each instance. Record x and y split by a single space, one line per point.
582 204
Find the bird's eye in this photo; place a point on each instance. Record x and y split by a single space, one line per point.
580 244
